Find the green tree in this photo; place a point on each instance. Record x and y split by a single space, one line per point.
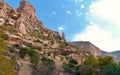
86 70
104 61
111 69
89 66
71 67
91 61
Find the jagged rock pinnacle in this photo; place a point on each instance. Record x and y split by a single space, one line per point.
1 0
27 9
63 35
24 18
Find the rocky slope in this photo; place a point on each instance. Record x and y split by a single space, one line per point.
116 55
92 49
35 49
87 46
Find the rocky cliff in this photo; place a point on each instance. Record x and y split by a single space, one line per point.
24 18
87 46
34 49
95 51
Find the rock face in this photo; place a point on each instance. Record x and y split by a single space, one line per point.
4 10
28 19
63 35
116 55
1 0
24 18
87 46
25 22
27 10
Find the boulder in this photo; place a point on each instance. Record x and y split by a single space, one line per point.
2 21
10 22
22 28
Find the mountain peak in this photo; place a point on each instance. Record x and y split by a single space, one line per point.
27 9
24 18
87 46
1 0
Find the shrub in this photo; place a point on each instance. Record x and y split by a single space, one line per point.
3 36
61 58
40 48
35 59
30 45
23 52
62 44
52 42
71 68
73 61
11 29
32 52
48 53
33 55
55 53
47 60
70 65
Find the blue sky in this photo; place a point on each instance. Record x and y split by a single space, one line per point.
96 21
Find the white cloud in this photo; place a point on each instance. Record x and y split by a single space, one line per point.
82 6
53 13
78 13
106 11
104 30
60 28
78 1
99 37
68 12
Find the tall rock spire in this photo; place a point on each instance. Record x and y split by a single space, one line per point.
63 36
27 9
1 0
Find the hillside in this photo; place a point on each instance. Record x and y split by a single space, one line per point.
92 49
116 55
87 46
28 47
